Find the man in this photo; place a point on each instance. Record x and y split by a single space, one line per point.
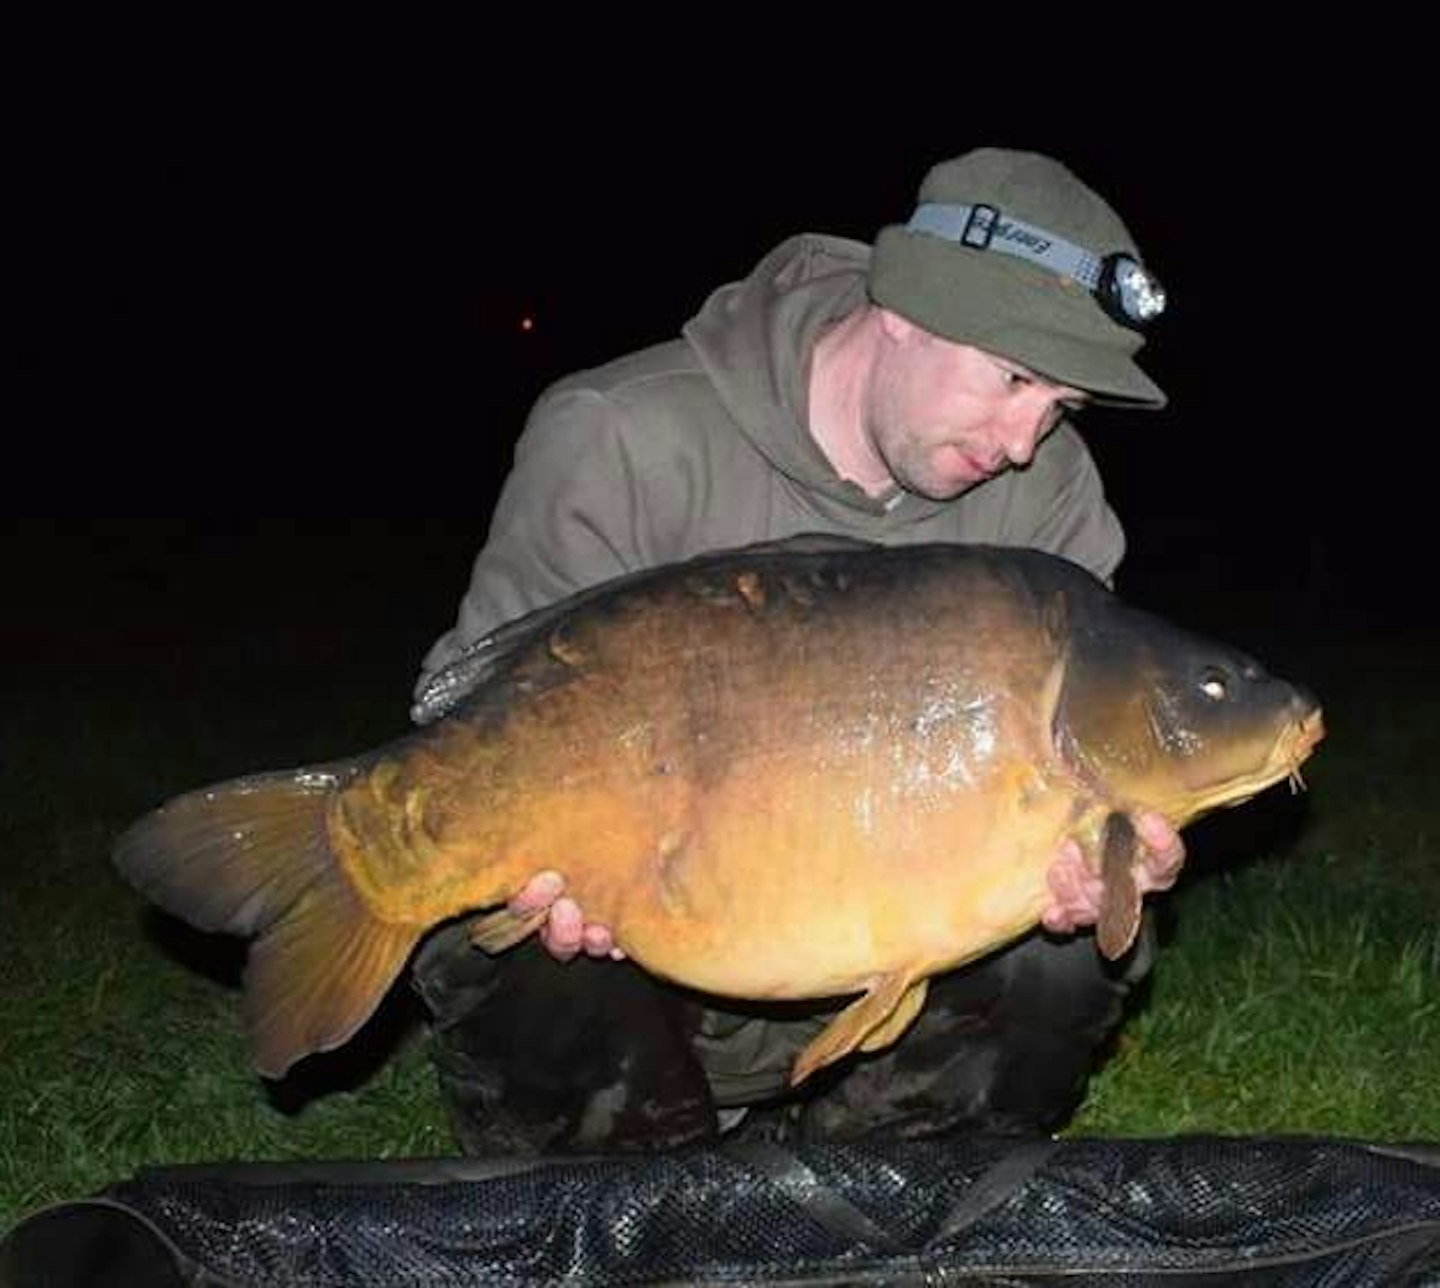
919 392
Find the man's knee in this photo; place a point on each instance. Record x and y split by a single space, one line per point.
1049 984
599 1055
535 1055
452 976
1005 1045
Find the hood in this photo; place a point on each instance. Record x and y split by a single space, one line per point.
754 339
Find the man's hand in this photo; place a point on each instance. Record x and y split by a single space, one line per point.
1078 891
565 933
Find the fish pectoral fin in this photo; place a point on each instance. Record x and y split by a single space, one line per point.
872 1021
496 931
1119 921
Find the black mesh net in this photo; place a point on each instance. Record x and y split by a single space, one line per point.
1082 1212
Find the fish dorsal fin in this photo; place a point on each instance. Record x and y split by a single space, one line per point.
481 659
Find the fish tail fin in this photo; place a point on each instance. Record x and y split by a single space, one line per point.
252 857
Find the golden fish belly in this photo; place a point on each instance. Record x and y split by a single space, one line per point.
787 894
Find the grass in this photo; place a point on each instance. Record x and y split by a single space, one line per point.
1298 989
1283 1005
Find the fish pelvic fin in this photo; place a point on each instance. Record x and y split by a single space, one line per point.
1119 920
872 1021
502 929
252 857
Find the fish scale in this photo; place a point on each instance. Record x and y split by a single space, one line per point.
809 769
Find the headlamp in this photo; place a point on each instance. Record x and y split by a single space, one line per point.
1128 291
1123 287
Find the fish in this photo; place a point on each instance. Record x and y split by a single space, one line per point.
818 768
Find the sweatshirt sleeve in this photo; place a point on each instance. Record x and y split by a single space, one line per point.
574 511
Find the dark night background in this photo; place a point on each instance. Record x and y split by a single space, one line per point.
295 283
260 270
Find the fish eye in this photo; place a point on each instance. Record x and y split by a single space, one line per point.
1214 686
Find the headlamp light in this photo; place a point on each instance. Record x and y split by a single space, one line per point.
1128 291
1123 287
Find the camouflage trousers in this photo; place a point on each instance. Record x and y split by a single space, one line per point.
537 1056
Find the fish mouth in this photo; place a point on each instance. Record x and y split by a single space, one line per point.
1291 750
1297 743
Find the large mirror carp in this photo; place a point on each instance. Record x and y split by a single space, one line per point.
808 769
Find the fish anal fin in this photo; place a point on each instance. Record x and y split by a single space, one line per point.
496 931
873 1020
900 1019
1119 920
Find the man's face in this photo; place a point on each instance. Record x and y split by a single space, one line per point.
944 416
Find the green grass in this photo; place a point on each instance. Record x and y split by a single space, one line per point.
1286 1003
116 1053
1298 989
120 1036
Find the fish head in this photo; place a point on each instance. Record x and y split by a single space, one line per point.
1155 717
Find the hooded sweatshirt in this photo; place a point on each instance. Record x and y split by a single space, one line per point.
702 443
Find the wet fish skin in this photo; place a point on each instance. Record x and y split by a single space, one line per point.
802 770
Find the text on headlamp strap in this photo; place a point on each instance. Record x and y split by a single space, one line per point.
983 227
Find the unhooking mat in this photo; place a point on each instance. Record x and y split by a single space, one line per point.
1198 1211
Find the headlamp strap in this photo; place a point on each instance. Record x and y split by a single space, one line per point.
984 228
1118 281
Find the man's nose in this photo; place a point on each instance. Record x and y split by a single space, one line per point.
1024 427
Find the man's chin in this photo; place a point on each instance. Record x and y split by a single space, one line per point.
953 471
937 487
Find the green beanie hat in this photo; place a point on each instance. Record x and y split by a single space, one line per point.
934 273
